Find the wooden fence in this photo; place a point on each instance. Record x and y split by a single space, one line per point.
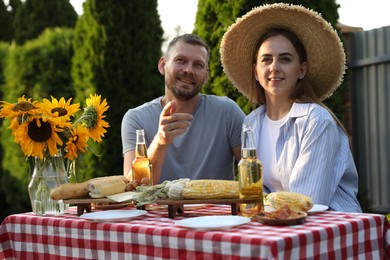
369 84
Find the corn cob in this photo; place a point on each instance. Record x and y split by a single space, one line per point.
188 189
296 201
210 189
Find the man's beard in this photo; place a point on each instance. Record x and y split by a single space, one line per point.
183 95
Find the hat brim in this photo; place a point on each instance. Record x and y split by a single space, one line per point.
325 52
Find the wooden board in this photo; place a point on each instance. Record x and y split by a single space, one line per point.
194 201
160 202
85 204
174 206
88 201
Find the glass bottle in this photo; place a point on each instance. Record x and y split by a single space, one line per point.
141 165
250 176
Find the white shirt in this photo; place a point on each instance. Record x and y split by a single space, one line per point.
267 153
313 156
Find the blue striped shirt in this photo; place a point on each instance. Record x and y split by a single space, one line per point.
313 156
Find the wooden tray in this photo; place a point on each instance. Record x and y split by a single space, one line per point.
174 206
85 204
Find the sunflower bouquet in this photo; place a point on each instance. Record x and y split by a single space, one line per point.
44 129
49 131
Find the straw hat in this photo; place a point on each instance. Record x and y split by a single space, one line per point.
325 52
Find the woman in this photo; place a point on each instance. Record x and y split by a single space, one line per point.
287 59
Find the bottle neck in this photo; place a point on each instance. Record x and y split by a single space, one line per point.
248 149
140 148
249 153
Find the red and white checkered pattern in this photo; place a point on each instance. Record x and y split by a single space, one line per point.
326 235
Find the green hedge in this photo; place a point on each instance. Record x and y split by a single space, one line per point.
37 69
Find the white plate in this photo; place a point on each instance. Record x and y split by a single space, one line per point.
212 222
113 215
314 209
318 208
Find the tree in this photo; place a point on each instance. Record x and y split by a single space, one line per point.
3 54
117 46
7 14
6 23
33 16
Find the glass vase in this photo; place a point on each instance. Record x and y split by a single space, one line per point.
71 171
48 173
75 170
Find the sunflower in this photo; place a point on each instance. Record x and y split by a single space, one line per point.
36 136
21 109
14 124
76 142
59 109
93 117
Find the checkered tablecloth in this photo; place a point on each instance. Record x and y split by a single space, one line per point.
325 235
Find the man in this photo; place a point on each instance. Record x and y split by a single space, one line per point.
188 134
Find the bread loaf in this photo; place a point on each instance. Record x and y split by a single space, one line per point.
70 191
95 188
106 186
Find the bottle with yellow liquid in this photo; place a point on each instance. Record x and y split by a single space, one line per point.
250 176
141 165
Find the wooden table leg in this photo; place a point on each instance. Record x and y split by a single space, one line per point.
234 207
143 207
82 207
173 209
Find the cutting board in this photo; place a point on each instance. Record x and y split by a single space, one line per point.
85 204
195 201
176 206
88 201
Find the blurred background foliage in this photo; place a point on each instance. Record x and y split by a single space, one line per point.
112 49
